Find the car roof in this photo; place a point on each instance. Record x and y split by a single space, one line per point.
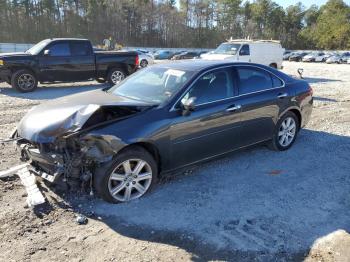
200 64
67 39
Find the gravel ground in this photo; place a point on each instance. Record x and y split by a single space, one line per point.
251 205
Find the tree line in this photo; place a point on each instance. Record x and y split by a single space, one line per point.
177 23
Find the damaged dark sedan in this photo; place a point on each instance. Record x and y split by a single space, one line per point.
162 118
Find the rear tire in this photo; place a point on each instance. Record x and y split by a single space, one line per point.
285 133
143 63
116 75
273 65
101 80
24 81
121 177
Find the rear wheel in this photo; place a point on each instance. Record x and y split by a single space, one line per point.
101 80
143 63
129 176
273 65
285 133
24 81
116 75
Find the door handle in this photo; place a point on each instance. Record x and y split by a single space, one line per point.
233 108
282 95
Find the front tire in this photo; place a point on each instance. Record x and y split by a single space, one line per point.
130 175
116 75
24 81
285 132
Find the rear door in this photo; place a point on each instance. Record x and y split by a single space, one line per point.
213 127
82 61
262 96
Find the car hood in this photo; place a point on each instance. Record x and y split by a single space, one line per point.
5 55
45 122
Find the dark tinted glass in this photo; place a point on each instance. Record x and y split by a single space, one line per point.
80 48
253 80
212 87
244 50
60 49
276 82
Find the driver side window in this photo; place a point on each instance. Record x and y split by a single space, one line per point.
211 87
244 50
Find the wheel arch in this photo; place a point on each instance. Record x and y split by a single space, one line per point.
150 148
18 68
296 111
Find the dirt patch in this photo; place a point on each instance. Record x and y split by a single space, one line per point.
251 205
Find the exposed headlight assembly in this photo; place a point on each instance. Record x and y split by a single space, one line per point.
2 62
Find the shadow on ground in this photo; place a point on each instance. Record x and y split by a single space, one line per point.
316 80
53 91
253 204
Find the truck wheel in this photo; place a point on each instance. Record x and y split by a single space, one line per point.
143 63
101 80
115 75
24 81
131 174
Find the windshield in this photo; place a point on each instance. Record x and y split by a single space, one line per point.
36 49
227 49
153 84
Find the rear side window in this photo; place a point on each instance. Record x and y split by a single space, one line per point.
244 50
80 48
60 49
254 80
276 82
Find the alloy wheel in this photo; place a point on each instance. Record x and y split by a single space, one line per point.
26 81
287 132
130 180
117 76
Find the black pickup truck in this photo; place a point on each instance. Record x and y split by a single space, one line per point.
64 60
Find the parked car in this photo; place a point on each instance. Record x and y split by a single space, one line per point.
297 57
344 57
64 59
186 55
315 57
163 54
145 59
159 120
266 52
287 54
334 59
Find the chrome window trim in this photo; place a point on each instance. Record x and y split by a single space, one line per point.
222 67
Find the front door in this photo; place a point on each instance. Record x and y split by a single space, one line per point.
244 54
55 62
214 125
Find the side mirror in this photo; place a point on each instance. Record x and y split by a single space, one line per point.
188 106
46 52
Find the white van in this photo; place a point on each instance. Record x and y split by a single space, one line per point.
266 52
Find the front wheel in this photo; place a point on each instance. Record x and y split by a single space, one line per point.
24 81
115 76
129 176
285 132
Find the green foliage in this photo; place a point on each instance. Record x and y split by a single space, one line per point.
177 23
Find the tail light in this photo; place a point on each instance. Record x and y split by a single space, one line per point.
137 61
311 91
